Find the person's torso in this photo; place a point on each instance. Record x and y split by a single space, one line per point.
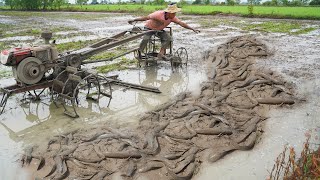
152 24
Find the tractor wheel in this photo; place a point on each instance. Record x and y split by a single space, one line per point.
29 71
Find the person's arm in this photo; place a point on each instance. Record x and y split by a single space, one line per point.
139 19
152 16
182 24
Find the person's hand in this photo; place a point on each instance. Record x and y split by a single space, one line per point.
131 21
196 31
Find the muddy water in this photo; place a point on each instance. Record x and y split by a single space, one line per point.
34 122
27 122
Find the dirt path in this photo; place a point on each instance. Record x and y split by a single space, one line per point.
177 137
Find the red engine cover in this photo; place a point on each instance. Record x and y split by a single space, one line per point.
13 56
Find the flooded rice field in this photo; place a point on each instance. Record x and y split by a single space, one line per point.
294 57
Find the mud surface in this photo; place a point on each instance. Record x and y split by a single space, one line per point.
285 126
295 65
177 137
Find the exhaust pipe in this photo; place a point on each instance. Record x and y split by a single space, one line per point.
46 35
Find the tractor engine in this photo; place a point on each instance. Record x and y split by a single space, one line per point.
29 64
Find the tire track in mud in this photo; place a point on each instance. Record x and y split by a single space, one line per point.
175 138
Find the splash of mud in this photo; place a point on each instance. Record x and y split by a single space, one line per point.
174 139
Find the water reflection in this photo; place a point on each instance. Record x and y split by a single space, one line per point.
27 119
169 82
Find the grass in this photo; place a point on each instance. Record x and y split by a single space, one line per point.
284 12
4 73
304 30
71 34
207 23
103 55
279 26
63 47
293 28
258 11
12 30
53 15
26 32
275 27
306 167
35 31
115 8
3 29
3 46
61 28
121 65
242 10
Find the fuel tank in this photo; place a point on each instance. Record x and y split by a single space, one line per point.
13 56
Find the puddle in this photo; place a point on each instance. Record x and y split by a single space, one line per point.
6 20
35 122
9 155
18 38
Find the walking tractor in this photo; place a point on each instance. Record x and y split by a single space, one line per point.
38 68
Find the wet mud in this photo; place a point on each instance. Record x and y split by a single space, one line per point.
295 58
178 136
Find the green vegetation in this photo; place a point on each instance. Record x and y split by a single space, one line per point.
121 65
115 8
35 4
288 167
70 35
37 32
3 46
304 31
25 32
52 15
207 23
61 28
24 29
103 55
4 26
314 2
63 47
279 27
259 11
301 12
297 9
3 29
292 28
4 73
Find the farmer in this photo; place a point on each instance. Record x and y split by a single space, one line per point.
158 21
